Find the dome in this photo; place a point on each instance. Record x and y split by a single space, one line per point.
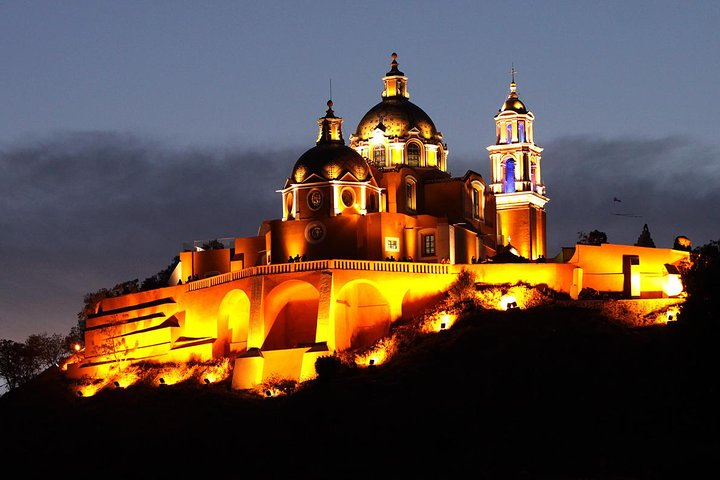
330 158
513 104
330 161
398 115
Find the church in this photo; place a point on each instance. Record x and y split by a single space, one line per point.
373 230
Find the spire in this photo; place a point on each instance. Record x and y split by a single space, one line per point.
330 127
394 67
395 81
513 86
513 102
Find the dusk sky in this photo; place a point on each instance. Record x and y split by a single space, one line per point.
130 127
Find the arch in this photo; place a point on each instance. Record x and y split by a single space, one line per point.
290 205
509 176
410 193
362 315
291 311
441 159
414 154
379 155
372 202
233 319
478 200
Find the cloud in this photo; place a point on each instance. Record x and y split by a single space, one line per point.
668 183
84 211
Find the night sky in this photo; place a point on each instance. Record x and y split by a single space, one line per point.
128 128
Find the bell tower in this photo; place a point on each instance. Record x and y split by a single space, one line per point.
517 179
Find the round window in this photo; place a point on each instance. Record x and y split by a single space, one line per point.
348 197
315 232
315 199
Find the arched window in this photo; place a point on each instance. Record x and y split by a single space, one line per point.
509 133
521 132
379 155
410 193
372 202
413 155
509 180
478 200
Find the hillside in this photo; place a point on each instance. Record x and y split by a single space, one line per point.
547 393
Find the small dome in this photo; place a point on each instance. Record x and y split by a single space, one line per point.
330 161
513 103
398 115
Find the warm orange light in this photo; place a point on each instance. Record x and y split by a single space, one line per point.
508 302
383 350
673 286
438 322
76 347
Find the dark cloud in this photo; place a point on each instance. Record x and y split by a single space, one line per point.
83 211
669 183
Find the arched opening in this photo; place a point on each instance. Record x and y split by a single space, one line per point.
291 311
411 193
362 315
413 154
233 320
372 202
379 155
509 180
478 200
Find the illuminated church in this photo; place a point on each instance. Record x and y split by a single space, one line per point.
372 231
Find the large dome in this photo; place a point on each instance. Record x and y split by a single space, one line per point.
397 116
330 161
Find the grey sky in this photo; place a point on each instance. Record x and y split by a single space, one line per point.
128 128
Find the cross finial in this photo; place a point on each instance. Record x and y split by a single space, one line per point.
512 72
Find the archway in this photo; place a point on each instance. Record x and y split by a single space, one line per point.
232 323
362 315
291 311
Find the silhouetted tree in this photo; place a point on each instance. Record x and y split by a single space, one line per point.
160 279
214 244
645 240
702 284
596 237
20 362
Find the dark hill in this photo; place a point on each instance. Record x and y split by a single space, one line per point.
547 393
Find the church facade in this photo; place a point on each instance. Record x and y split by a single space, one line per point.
371 232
